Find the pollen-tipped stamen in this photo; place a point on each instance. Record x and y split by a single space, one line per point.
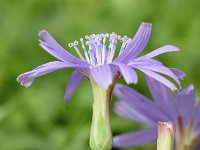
98 49
98 53
85 51
76 48
125 41
104 48
112 46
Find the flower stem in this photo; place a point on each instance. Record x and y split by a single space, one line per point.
100 134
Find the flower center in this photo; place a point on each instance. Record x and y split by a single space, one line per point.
100 49
186 137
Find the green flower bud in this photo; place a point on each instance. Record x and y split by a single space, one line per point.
166 132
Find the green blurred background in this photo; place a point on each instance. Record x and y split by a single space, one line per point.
36 118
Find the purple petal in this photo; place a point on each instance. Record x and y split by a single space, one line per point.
27 78
125 110
185 102
196 116
74 81
178 73
52 47
145 61
135 138
127 72
102 75
197 129
140 107
163 96
197 147
163 70
137 44
142 62
159 78
155 68
161 50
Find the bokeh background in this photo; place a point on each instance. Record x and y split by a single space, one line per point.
36 118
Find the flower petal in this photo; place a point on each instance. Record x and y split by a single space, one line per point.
155 68
197 147
196 115
140 107
128 73
125 110
163 70
178 73
145 61
74 81
102 75
163 96
161 50
136 138
52 47
159 78
27 78
185 101
138 43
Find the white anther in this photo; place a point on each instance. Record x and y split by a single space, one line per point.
124 44
71 45
107 35
75 43
92 36
86 37
118 37
128 41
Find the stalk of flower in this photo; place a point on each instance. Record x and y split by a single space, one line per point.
182 109
166 132
101 63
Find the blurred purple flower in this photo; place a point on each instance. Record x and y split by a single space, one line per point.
180 108
97 61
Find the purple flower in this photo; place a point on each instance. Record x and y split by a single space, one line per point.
97 63
180 108
97 60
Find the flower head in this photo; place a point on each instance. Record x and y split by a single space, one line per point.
166 107
100 60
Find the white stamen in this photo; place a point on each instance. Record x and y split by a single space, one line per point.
127 42
112 47
98 49
95 50
77 50
90 51
85 51
104 49
123 44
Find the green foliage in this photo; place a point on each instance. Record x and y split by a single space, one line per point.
36 118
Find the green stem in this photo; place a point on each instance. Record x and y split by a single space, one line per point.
100 134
